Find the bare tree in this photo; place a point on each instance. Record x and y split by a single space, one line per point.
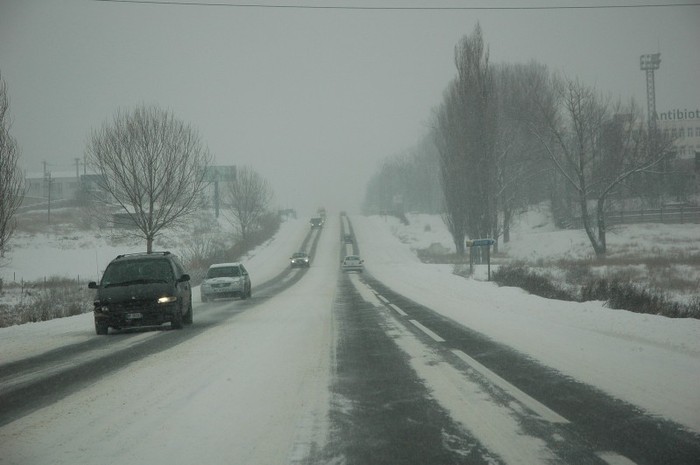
597 145
248 198
520 89
453 168
465 137
151 166
12 182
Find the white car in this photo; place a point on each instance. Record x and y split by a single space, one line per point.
226 280
352 263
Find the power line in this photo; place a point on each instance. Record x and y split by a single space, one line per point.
396 8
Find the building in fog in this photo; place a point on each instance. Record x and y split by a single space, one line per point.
683 126
55 186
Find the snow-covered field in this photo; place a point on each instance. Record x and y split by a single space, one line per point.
652 362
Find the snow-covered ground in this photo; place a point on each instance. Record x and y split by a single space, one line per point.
649 361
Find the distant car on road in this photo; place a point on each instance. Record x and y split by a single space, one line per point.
316 222
226 280
352 263
347 238
142 289
300 259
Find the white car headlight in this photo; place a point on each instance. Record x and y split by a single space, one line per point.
167 300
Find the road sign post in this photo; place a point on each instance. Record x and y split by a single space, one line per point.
480 243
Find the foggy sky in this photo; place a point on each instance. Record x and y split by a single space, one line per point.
312 99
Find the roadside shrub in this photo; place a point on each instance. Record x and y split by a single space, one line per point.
519 275
577 273
46 300
5 316
628 296
616 293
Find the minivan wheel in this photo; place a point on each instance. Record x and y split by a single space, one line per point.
101 329
176 322
189 317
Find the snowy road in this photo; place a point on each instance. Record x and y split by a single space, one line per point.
324 367
252 388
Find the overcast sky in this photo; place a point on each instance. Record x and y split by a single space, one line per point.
312 99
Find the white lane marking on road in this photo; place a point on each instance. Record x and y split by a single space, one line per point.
427 331
497 426
368 296
382 298
398 310
541 410
613 458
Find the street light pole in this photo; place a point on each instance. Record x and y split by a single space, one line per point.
650 63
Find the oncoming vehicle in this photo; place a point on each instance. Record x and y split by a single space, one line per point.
226 280
142 289
300 259
316 222
352 263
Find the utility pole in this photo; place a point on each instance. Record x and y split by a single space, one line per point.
48 181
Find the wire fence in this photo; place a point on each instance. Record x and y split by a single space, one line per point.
671 214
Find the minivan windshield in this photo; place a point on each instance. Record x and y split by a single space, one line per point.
129 272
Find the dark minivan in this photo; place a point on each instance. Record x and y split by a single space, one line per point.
143 289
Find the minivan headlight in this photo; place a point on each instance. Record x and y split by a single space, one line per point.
167 300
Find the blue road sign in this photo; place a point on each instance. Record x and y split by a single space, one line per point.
480 242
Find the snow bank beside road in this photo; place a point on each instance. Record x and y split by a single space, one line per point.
647 360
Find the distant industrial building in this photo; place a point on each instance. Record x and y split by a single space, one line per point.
683 126
51 186
62 187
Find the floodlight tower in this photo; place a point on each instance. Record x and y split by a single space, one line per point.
649 63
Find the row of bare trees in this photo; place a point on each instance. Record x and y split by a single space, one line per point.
509 135
408 181
12 182
148 165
